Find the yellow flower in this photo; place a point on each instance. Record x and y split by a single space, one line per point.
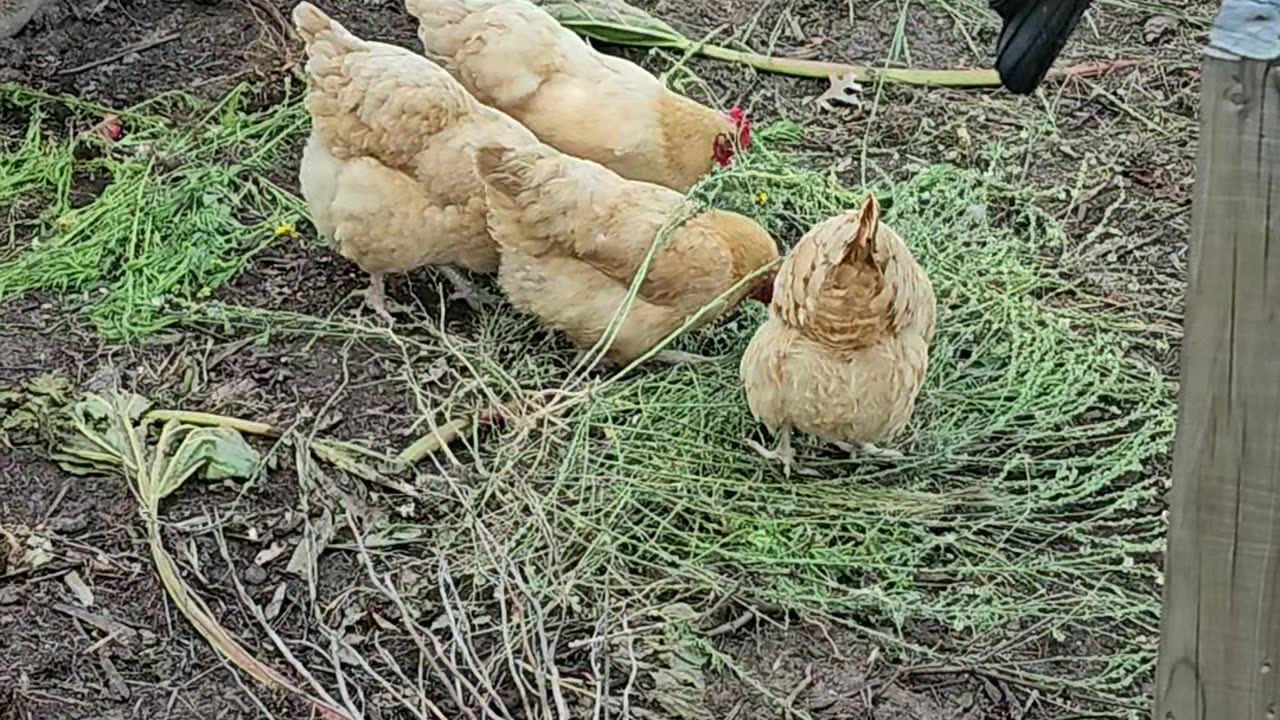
762 197
286 229
63 223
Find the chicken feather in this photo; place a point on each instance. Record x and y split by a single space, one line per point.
845 349
388 171
574 235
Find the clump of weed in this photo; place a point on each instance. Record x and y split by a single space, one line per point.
183 205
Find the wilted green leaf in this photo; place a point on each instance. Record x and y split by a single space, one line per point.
226 454
99 439
614 21
53 385
108 436
31 412
393 535
216 453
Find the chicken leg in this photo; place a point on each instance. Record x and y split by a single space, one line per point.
783 453
865 448
464 289
375 296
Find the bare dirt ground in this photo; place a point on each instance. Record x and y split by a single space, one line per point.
1112 157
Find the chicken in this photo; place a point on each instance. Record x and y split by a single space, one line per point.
574 235
1032 34
844 351
388 171
514 56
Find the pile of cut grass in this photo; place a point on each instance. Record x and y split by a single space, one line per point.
1021 523
183 206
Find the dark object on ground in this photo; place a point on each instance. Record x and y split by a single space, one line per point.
1032 35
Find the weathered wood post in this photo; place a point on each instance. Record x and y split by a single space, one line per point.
1220 634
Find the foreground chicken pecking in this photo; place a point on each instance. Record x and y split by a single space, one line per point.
389 170
1032 34
844 351
516 57
574 235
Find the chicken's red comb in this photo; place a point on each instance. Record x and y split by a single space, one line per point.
110 128
741 122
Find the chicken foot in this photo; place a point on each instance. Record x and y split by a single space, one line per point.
375 296
783 453
865 448
464 289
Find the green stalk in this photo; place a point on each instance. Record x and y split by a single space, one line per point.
969 77
615 22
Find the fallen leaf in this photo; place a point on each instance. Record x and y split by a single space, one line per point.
315 539
38 553
383 623
277 601
845 90
226 453
68 525
83 594
117 689
52 384
276 550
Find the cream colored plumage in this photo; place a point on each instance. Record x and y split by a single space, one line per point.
388 171
845 349
574 235
516 57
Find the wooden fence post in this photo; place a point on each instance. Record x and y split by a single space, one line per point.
1220 631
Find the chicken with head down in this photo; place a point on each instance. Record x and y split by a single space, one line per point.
516 57
845 349
574 235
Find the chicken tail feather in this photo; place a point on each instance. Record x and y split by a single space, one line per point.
324 36
1033 34
861 247
437 10
504 170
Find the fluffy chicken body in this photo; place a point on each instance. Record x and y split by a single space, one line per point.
514 56
388 171
574 235
845 349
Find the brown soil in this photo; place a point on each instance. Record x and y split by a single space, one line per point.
1127 142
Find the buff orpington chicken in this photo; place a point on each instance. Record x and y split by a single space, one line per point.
574 235
514 56
388 171
845 348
